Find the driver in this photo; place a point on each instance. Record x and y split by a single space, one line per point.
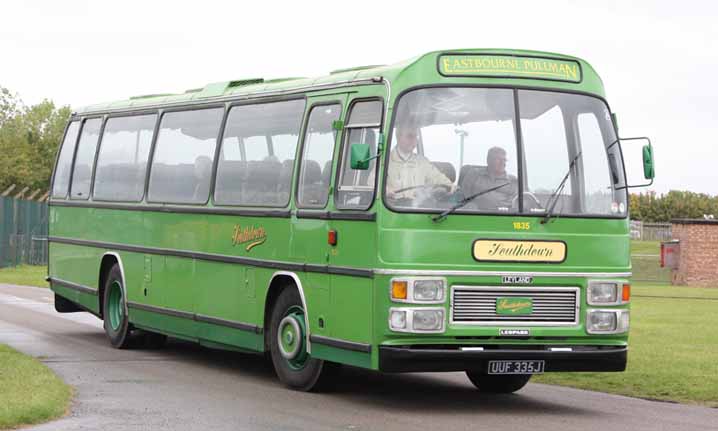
493 176
409 171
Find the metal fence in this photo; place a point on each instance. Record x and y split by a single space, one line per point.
651 231
23 232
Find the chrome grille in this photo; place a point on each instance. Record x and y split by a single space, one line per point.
551 305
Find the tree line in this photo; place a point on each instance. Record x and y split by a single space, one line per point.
29 139
650 207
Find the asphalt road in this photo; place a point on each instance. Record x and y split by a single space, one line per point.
185 387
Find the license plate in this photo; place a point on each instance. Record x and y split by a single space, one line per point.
516 367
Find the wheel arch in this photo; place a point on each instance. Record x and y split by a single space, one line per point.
278 282
109 259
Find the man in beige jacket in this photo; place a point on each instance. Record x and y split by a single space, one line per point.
410 172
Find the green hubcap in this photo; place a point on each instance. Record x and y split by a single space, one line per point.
291 338
115 305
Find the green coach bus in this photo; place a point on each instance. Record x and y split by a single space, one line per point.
460 211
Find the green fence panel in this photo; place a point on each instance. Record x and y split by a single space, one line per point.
23 232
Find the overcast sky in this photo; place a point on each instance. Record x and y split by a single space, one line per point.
658 59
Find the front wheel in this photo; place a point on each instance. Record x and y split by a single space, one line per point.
498 384
288 345
114 311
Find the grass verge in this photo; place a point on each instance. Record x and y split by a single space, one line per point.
30 393
25 275
673 352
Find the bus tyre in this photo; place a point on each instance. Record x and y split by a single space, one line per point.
288 345
498 384
117 325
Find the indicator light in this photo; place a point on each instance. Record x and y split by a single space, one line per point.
399 289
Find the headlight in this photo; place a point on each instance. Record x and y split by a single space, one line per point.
423 290
608 292
607 321
428 290
397 320
428 320
416 320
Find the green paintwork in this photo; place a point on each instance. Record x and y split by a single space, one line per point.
351 308
292 340
648 165
115 306
360 154
514 306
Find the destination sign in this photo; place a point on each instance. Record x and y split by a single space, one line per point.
509 66
501 250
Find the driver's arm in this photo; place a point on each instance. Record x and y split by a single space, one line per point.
432 175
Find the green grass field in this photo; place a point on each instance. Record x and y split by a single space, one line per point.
29 392
24 275
673 349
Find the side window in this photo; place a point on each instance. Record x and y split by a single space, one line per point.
122 162
315 173
64 161
597 181
183 159
251 170
85 159
355 189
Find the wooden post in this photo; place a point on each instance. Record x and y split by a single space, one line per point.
8 190
22 193
32 196
44 197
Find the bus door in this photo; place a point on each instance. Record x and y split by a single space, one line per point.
353 225
313 202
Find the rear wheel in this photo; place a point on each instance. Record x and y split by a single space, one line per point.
117 325
498 384
288 345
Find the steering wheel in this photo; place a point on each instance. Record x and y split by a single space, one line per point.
425 186
439 192
536 201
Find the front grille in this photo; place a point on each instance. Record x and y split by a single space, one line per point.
550 305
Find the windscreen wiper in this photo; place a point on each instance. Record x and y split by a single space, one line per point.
553 199
465 201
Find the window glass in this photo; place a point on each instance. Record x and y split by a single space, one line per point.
558 128
366 113
122 162
248 174
315 173
356 187
547 156
452 143
285 146
64 161
183 159
255 148
85 159
597 179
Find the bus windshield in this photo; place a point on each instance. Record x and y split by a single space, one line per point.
453 143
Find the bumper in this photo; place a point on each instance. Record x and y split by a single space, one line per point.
430 358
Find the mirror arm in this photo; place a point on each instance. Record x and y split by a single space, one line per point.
378 153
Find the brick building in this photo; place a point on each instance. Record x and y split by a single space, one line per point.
698 256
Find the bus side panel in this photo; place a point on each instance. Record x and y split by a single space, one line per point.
352 296
224 293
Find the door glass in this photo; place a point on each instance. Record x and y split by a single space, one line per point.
356 187
315 173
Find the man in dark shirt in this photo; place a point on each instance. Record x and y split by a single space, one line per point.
493 175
